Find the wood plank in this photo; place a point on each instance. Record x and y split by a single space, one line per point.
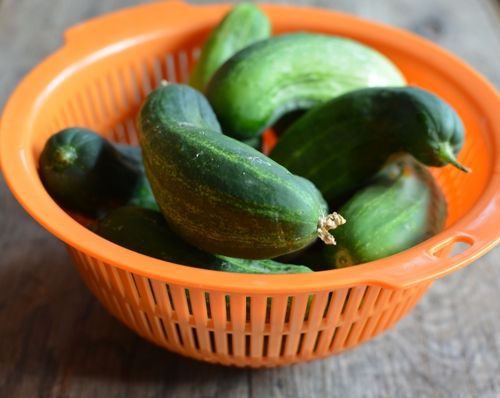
56 340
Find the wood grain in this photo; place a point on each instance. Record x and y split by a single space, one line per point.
57 341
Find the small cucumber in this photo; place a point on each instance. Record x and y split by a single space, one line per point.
88 174
292 71
146 231
218 193
401 207
340 144
243 25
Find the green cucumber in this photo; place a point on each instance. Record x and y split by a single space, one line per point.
401 207
340 144
218 193
243 25
88 174
262 82
146 231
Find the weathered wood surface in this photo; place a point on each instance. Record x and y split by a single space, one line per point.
57 341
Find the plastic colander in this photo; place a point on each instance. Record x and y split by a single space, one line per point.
98 80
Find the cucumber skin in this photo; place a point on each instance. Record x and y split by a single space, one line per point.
401 207
243 25
99 176
146 231
292 71
340 144
217 193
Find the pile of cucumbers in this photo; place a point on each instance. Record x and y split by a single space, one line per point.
198 191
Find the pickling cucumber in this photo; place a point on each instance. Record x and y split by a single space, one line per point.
341 143
146 231
218 193
88 174
243 25
401 207
267 79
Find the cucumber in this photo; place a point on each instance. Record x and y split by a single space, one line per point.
341 143
401 207
88 174
146 231
218 193
243 25
292 71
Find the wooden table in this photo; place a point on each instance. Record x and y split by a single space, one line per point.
57 341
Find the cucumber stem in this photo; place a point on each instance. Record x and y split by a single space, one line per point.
325 224
446 154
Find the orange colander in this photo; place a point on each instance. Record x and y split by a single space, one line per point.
98 80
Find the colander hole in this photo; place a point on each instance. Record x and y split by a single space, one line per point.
247 309
207 303
83 111
269 303
183 66
316 341
136 288
134 86
119 134
90 100
195 338
332 340
147 322
151 291
169 295
163 329
102 97
289 308
228 308
188 301
283 345
171 73
247 345
301 343
195 54
327 306
265 346
157 72
369 298
131 132
111 93
351 334
123 95
346 301
145 79
179 334
230 344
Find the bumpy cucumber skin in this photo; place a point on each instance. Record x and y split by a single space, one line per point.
219 194
293 71
87 174
146 231
401 207
340 144
243 25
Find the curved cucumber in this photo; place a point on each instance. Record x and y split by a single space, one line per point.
243 25
401 207
340 144
219 194
88 174
146 231
298 70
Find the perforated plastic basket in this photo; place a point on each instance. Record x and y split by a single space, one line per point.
98 80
